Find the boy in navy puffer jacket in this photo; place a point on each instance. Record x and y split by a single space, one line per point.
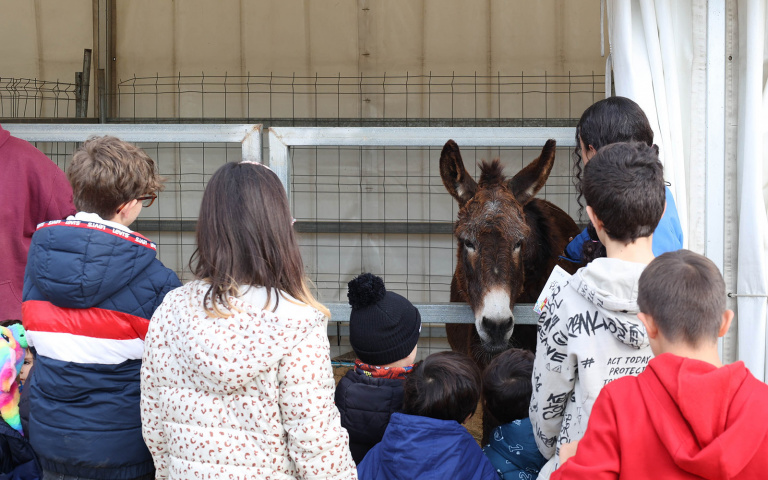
90 287
428 440
383 330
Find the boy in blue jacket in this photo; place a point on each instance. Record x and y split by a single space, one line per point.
427 440
90 287
507 390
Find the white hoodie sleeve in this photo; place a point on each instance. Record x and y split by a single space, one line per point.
317 443
554 377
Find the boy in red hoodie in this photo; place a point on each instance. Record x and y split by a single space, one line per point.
687 415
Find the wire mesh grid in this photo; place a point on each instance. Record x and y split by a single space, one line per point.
382 210
386 211
171 220
32 98
382 100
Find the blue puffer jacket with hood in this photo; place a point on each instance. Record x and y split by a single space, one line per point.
90 289
416 447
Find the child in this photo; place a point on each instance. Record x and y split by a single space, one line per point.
17 329
507 393
17 459
687 415
427 440
90 287
383 331
589 334
237 379
611 120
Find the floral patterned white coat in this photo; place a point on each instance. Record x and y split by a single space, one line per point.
248 396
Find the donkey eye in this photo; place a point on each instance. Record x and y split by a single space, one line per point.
469 245
518 245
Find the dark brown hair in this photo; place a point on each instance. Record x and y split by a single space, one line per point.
624 186
507 386
611 120
107 172
685 294
245 236
445 385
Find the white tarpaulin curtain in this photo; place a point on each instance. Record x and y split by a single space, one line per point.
648 60
752 160
658 56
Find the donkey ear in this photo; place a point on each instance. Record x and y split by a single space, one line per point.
455 177
528 181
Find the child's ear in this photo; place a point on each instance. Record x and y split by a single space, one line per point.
598 224
650 325
725 323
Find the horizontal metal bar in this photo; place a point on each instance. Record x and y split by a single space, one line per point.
193 133
443 313
422 136
49 120
425 228
357 122
421 228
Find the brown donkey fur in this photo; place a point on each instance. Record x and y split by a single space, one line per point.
508 242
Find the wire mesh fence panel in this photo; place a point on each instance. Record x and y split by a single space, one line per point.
386 211
383 100
33 98
170 221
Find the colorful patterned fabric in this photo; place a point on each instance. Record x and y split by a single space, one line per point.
248 396
376 371
10 352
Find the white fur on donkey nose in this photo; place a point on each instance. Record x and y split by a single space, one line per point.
495 308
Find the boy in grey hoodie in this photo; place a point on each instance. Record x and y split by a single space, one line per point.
589 333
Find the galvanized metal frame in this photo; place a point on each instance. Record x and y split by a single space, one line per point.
248 135
283 139
439 313
714 235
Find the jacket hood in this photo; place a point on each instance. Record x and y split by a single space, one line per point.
706 417
515 447
422 447
81 266
227 353
611 285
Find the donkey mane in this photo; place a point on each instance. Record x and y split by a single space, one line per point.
490 173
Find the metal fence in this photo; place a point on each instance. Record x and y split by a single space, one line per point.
361 100
33 98
415 251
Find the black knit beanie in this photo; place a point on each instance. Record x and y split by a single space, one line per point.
384 326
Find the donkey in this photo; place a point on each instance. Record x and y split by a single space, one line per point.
508 242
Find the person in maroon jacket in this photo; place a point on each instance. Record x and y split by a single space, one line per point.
687 416
32 190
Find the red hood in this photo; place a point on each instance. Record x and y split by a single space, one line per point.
703 414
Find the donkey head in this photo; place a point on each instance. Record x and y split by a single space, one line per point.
494 238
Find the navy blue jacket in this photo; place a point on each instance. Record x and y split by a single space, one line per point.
513 451
17 459
425 448
668 236
365 404
89 292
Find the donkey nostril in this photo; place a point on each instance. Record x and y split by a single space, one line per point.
497 327
487 324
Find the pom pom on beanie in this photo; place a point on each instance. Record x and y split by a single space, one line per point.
384 327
